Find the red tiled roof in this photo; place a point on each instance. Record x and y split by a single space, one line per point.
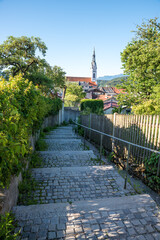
92 84
101 97
110 105
81 79
116 90
78 79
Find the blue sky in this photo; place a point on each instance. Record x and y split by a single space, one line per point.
72 28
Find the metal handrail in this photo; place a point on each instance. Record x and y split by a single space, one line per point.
111 136
124 141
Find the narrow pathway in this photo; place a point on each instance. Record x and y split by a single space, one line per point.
82 200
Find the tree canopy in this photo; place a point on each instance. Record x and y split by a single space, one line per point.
141 61
74 94
18 55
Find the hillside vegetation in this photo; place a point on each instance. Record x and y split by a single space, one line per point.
111 83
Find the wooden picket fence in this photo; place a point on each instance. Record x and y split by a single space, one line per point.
143 130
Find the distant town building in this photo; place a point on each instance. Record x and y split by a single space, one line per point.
87 82
89 85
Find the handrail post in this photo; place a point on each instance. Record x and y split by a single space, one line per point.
125 182
158 169
84 138
90 116
101 149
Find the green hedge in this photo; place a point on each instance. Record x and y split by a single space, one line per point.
95 106
22 110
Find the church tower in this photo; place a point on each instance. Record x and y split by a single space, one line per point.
94 68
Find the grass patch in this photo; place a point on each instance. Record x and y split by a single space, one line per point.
35 160
48 129
41 145
8 226
26 189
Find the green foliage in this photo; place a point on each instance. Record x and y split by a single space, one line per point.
18 55
22 110
35 160
151 106
48 129
7 227
47 77
64 123
141 62
26 189
57 75
74 94
70 121
151 166
117 110
111 83
56 106
41 145
92 106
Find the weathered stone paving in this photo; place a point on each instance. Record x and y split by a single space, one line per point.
64 144
132 217
82 200
68 158
78 183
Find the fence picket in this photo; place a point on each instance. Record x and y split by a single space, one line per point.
156 133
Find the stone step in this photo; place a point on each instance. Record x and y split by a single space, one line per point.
68 158
131 217
61 133
78 183
65 127
64 144
61 136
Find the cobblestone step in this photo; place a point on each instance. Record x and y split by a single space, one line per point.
61 136
131 217
68 158
69 184
64 144
80 200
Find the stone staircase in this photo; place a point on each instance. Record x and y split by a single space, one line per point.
80 199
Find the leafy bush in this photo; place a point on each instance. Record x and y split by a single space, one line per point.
7 227
22 110
92 106
41 145
151 166
26 188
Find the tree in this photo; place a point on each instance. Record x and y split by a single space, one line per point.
18 55
57 75
151 106
74 94
141 61
47 76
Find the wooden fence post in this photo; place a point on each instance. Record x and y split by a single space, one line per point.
101 148
90 119
125 183
114 126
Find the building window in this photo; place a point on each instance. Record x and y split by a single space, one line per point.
93 75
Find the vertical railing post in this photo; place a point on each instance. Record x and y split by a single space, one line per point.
101 149
84 138
158 169
90 116
125 182
113 133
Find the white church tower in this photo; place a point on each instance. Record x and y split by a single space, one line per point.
94 68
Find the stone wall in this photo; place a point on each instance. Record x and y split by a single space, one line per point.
9 196
71 113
